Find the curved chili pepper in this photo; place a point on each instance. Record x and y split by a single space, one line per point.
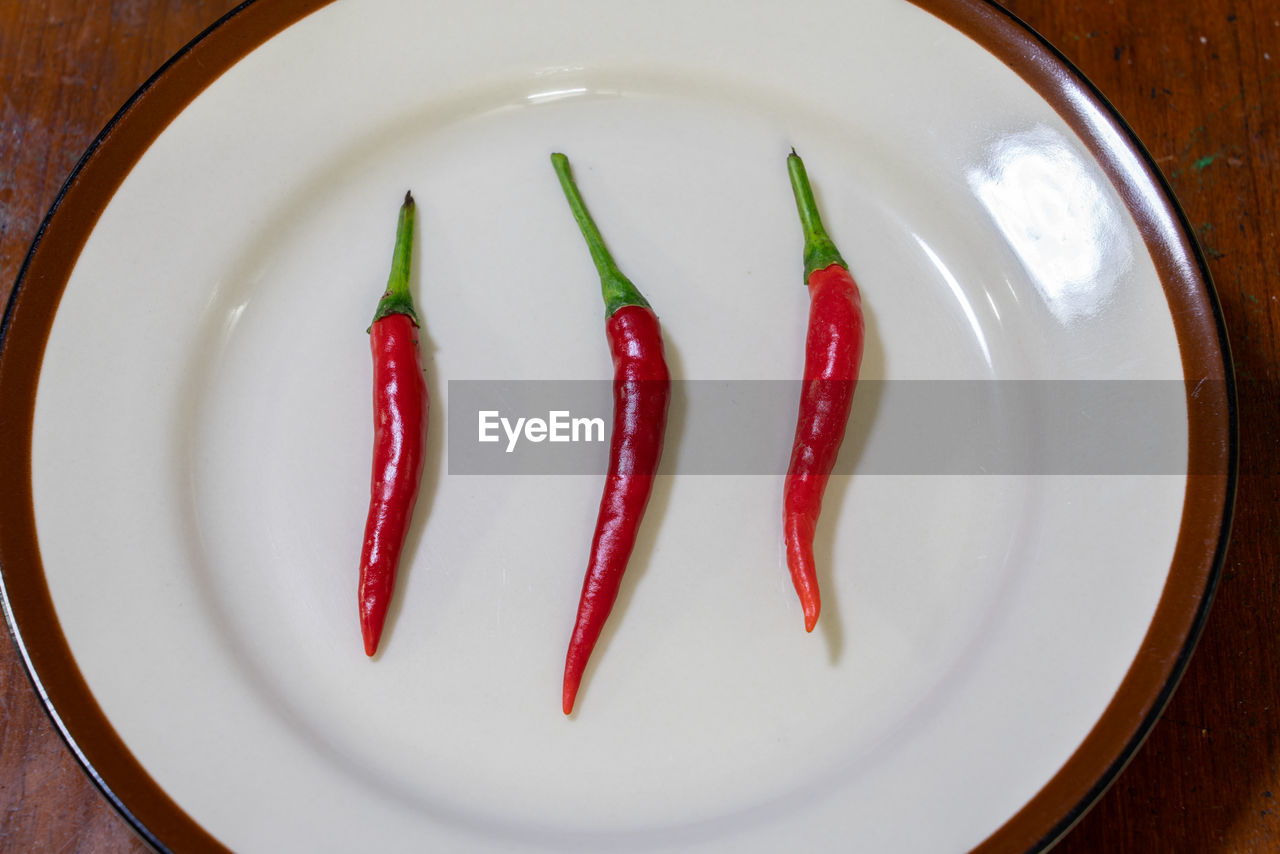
833 354
400 404
641 393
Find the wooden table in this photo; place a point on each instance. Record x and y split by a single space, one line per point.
1200 84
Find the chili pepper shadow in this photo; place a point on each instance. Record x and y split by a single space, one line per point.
647 536
866 402
433 454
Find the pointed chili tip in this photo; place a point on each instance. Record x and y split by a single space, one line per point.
810 620
793 152
812 605
408 198
370 630
370 624
566 700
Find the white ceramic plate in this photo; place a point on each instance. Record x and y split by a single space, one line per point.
200 435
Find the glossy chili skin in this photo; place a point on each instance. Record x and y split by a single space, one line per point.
400 408
641 396
833 357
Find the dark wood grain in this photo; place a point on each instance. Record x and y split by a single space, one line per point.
1199 83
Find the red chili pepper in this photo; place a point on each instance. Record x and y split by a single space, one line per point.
833 354
400 405
641 392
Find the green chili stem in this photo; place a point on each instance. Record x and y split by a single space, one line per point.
396 299
617 289
819 250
